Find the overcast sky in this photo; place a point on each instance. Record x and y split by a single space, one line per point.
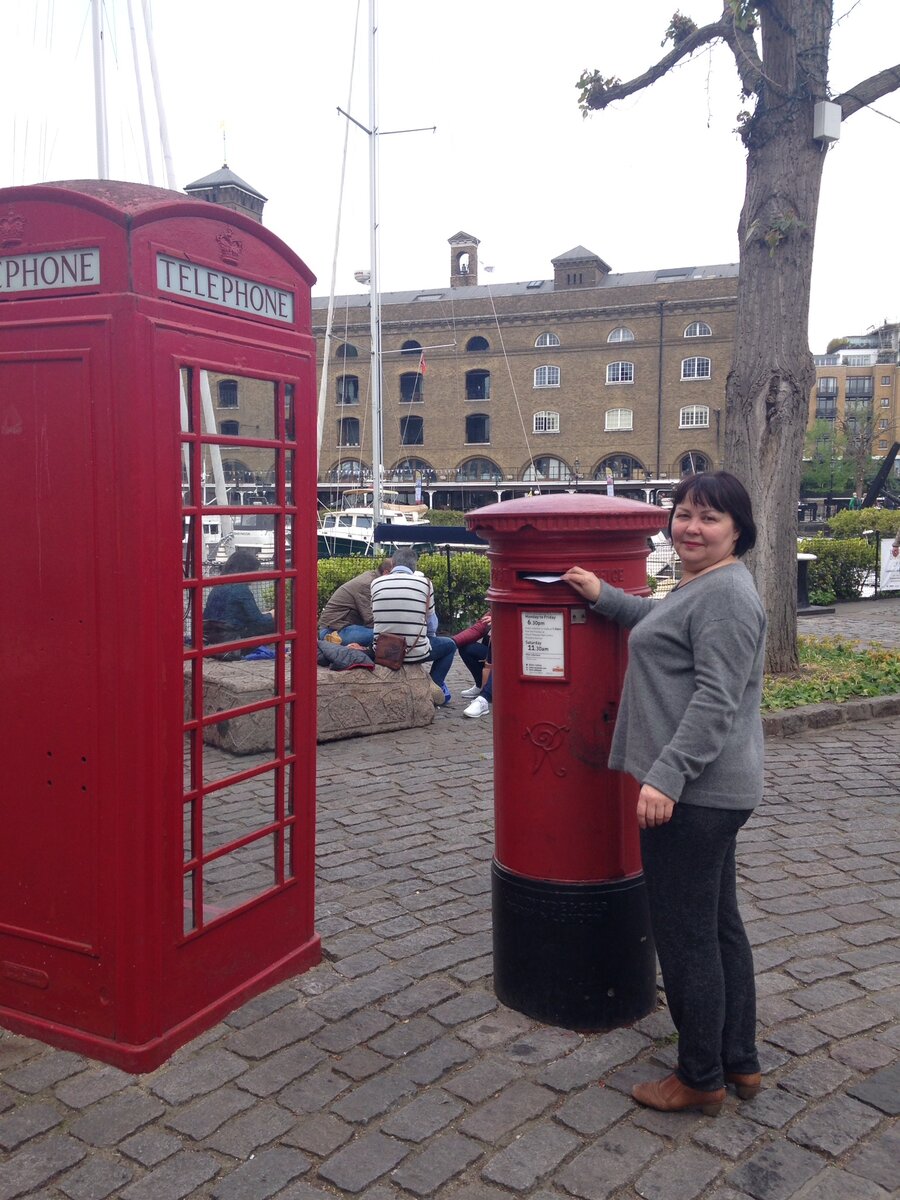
656 181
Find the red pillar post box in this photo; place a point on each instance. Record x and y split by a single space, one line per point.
572 940
157 413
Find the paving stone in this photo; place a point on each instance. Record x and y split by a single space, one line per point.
406 1036
96 1179
772 1108
836 1184
44 1071
314 1091
151 1146
797 1037
198 1075
360 1062
672 1125
827 994
485 1079
530 1157
319 1133
881 1090
176 1178
352 1031
15 1049
834 1126
200 1119
680 1175
852 1019
267 1173
261 1006
280 1069
289 1025
428 1113
877 1160
811 970
543 1044
363 1161
815 1078
590 1061
730 1135
777 1172
244 1134
28 1121
348 998
464 1008
519 1101
877 979
429 1170
78 1091
420 996
484 1191
36 1163
863 1054
608 1163
593 1110
495 1029
374 1097
113 1119
434 1061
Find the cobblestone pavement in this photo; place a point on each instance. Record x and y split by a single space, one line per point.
391 1072
866 620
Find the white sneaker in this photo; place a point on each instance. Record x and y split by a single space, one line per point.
478 708
471 693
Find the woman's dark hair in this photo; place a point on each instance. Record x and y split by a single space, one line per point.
726 494
241 562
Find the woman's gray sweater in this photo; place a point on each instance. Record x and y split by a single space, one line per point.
689 721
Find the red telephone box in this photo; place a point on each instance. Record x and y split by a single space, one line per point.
157 413
572 940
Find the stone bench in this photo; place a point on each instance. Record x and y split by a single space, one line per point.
349 703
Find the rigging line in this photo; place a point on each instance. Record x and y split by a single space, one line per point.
512 382
887 116
329 320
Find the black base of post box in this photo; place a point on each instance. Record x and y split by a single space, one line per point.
577 955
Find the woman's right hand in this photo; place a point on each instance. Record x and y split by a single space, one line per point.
585 583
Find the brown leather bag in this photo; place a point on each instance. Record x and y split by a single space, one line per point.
390 651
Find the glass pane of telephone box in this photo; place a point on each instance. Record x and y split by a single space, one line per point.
231 813
238 406
238 475
235 878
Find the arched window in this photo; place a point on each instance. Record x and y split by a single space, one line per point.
620 466
407 468
478 385
478 429
228 393
411 347
546 422
695 368
622 334
547 468
348 431
347 387
546 339
618 418
698 329
693 463
346 351
546 377
478 469
230 428
412 431
693 416
477 343
349 470
620 372
236 470
412 388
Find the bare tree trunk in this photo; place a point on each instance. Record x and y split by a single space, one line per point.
772 373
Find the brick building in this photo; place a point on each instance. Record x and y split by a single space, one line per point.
544 380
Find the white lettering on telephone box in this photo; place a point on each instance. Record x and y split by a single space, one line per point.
196 282
50 270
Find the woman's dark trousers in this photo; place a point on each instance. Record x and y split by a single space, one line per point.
704 954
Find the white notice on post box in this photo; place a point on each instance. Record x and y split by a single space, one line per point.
543 644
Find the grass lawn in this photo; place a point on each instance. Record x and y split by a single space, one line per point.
831 670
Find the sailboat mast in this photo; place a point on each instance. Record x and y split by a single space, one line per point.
100 91
374 295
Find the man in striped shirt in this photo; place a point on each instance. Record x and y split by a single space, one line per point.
403 603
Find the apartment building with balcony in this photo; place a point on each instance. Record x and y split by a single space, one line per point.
857 387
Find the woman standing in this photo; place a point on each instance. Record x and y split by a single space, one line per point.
689 730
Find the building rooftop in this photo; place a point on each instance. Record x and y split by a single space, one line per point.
224 177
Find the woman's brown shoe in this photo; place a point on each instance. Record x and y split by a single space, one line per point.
671 1095
746 1086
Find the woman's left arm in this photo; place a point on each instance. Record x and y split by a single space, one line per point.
726 650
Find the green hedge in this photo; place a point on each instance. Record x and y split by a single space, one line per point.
470 576
445 516
851 523
841 567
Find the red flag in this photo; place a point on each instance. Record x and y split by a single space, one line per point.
422 364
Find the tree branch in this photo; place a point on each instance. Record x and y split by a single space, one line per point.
868 91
